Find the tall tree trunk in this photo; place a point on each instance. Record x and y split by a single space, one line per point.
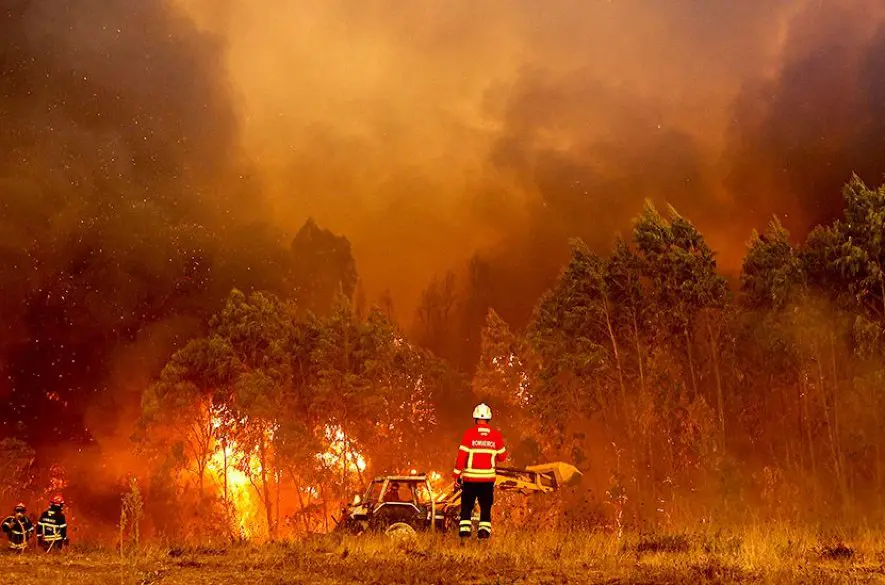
277 482
785 408
719 396
694 383
201 473
882 289
654 483
836 401
671 485
622 385
226 467
834 447
197 445
265 489
878 467
803 390
639 358
302 507
325 508
625 407
350 453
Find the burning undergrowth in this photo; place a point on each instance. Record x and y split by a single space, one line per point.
274 420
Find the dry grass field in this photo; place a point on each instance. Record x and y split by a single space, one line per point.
755 556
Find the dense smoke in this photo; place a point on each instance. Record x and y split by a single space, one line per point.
796 137
157 153
425 133
124 205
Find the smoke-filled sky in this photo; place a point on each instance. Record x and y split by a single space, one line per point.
426 130
155 153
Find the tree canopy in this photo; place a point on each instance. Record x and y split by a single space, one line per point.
678 397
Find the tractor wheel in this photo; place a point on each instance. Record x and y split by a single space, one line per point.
400 531
389 516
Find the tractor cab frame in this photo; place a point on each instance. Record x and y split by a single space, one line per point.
393 503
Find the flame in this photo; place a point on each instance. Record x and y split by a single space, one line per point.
242 497
437 484
234 486
340 453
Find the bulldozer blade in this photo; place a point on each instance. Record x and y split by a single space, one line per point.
543 478
561 472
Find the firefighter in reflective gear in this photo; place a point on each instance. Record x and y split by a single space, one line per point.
481 449
18 529
52 528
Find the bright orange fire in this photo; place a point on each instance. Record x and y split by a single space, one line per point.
239 490
340 453
438 484
234 485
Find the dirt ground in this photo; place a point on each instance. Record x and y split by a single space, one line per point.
527 558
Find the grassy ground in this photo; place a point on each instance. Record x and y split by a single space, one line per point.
755 556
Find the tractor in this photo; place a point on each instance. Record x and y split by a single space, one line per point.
404 504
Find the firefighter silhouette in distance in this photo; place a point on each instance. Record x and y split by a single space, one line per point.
18 528
481 449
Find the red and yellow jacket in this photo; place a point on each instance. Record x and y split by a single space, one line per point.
481 449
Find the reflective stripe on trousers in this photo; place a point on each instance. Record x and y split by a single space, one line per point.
51 529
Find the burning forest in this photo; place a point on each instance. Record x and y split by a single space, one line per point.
260 261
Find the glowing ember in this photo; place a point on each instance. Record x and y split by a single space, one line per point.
512 362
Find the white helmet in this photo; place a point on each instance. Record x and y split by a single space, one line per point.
482 412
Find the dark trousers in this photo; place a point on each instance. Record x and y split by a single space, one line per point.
471 492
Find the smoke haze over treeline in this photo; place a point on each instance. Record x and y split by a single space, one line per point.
156 154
